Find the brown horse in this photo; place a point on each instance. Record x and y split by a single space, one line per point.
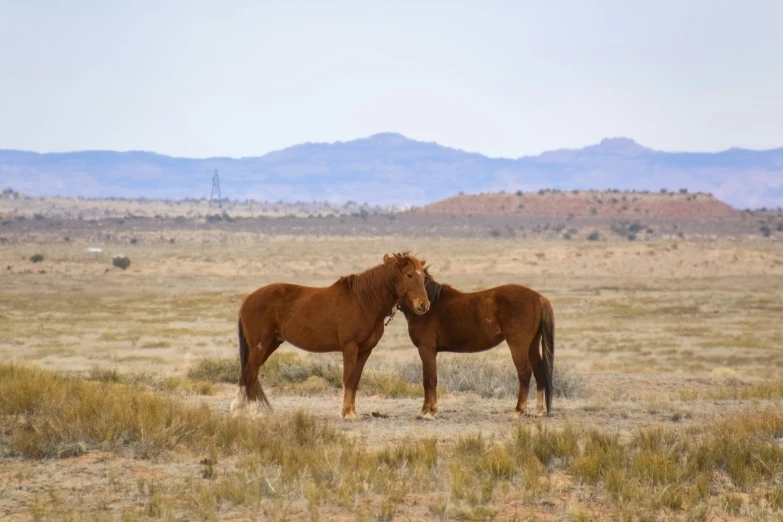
347 317
477 321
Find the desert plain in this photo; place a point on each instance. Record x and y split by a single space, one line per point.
115 384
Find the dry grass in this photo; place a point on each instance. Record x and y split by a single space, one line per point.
733 391
490 377
216 370
295 374
657 473
152 382
313 375
673 471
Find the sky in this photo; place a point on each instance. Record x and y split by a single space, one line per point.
506 79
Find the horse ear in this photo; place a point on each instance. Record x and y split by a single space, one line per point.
386 258
423 262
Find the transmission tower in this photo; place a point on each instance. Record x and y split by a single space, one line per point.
215 191
216 199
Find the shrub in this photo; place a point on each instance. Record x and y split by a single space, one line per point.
37 258
568 383
216 370
479 375
635 227
594 236
121 262
765 230
492 378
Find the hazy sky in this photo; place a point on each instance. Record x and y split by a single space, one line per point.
501 78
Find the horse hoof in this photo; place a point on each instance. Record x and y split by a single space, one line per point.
239 402
539 414
426 416
350 416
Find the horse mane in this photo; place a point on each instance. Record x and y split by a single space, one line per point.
365 285
433 287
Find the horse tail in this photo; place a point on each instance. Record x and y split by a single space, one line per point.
547 328
244 354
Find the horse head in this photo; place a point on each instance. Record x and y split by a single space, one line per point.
409 284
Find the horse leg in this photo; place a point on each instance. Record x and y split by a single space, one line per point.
361 359
524 373
258 356
350 359
430 382
534 356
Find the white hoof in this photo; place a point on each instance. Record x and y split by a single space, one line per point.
426 416
239 403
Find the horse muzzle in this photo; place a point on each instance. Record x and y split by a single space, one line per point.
422 308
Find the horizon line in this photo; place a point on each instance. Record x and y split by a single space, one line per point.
394 134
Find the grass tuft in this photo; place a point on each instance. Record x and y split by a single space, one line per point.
304 376
491 377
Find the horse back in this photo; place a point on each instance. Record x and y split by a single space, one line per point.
476 321
312 318
458 322
518 306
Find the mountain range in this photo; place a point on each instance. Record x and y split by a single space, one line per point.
389 168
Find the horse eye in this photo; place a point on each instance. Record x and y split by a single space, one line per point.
410 275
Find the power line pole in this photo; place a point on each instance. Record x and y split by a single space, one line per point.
214 197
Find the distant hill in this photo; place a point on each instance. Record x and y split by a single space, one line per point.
679 206
392 169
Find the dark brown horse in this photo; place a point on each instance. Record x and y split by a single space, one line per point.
477 321
347 317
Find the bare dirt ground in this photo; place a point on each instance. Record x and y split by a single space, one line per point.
654 332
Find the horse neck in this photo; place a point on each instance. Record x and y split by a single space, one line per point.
375 287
